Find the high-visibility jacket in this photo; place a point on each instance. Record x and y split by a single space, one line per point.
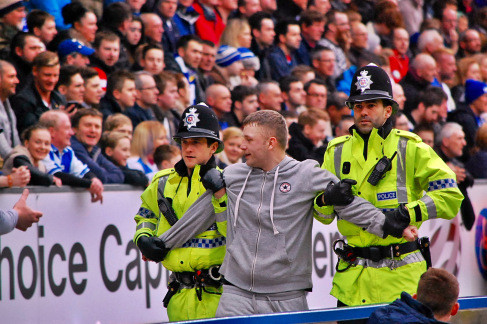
418 178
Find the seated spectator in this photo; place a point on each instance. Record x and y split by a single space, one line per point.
269 95
38 96
207 63
116 149
478 162
166 156
87 125
71 85
185 17
120 95
336 108
11 15
343 127
468 69
246 8
209 24
24 48
184 91
323 62
148 135
398 95
219 99
167 101
166 9
107 52
429 101
429 41
72 52
359 46
251 65
236 34
146 94
282 57
312 25
469 43
228 67
400 121
42 24
427 134
9 138
399 61
152 59
293 94
119 123
36 146
451 142
316 94
434 302
232 153
308 136
134 38
304 73
93 91
244 102
62 162
262 27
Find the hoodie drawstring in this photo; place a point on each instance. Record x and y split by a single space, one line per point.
237 203
272 202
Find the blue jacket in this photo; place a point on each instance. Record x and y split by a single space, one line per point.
279 65
105 170
403 310
137 114
53 7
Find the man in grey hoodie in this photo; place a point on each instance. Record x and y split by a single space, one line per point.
269 205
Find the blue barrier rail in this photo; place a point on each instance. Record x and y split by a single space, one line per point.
328 315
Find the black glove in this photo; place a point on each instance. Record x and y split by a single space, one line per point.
152 248
338 194
213 180
396 221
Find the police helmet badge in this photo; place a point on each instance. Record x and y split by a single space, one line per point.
191 118
363 81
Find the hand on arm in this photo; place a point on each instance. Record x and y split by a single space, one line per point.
20 176
338 194
152 248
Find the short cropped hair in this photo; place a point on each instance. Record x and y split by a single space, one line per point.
37 18
438 289
88 73
165 152
45 59
105 35
163 78
240 92
183 41
116 120
66 73
272 122
309 17
432 96
117 79
285 83
311 116
82 113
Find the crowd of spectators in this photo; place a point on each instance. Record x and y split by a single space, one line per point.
92 91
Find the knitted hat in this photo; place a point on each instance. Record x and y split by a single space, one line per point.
227 55
473 90
249 60
7 6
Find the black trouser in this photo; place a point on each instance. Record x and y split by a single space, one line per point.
359 321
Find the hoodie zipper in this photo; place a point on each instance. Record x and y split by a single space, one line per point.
258 235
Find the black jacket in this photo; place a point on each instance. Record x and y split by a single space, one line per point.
301 148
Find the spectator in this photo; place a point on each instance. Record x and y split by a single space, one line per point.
316 94
427 134
244 102
36 146
447 68
451 143
232 153
120 95
430 41
9 137
38 96
323 61
229 66
263 34
185 17
358 51
107 51
11 15
219 99
269 96
152 59
476 165
119 123
71 85
72 52
430 101
146 94
136 6
148 135
322 6
24 49
166 156
420 75
62 162
209 24
398 96
134 38
166 109
401 122
336 25
116 149
387 17
153 28
268 6
468 68
246 8
20 216
399 61
166 10
282 57
293 94
207 64
93 91
237 34
42 24
87 125
227 10
434 302
469 43
449 22
343 126
336 108
304 73
312 25
289 10
482 59
184 92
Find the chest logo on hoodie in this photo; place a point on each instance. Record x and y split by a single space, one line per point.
285 187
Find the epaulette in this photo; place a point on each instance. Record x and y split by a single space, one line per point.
407 134
338 140
163 173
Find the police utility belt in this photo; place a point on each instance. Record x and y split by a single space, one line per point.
376 253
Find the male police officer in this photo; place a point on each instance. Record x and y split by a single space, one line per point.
195 290
393 169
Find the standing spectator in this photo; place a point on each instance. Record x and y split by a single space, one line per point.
244 102
62 162
470 43
166 10
72 52
146 94
39 96
399 61
219 99
24 49
41 24
316 94
71 85
93 90
282 57
232 152
293 94
323 61
87 124
263 34
9 137
107 51
269 95
152 59
20 216
312 25
476 165
209 24
336 25
185 17
120 95
12 13
387 17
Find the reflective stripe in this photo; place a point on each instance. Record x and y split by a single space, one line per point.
221 217
338 159
430 206
150 226
329 216
390 263
402 194
442 184
146 213
205 243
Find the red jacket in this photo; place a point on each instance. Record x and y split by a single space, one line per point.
399 66
208 27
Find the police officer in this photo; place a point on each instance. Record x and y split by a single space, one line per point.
393 169
195 288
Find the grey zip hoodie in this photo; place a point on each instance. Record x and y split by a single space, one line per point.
269 217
